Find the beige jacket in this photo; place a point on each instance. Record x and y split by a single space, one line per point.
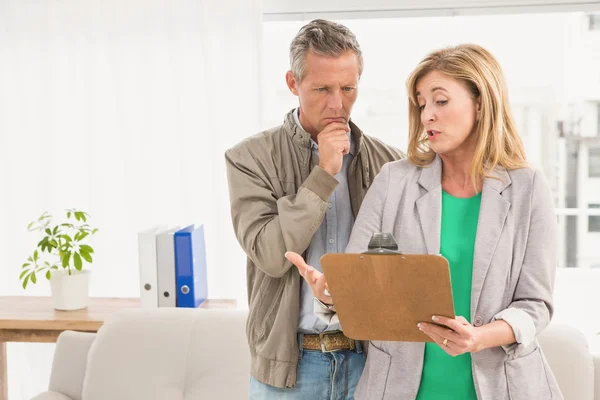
278 200
513 277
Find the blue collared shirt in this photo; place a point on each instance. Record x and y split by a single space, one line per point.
331 237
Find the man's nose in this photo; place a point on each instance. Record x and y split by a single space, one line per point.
335 100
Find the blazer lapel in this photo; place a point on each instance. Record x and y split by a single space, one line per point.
429 206
492 216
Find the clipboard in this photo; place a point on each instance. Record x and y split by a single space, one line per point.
385 296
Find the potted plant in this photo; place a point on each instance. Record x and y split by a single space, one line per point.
60 256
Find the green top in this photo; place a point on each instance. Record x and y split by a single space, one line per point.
446 377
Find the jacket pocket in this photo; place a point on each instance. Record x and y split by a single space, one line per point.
374 378
526 377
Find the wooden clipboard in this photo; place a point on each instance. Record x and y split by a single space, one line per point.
385 296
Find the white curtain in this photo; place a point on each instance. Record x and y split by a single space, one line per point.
124 110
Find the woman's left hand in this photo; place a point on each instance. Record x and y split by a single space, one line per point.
457 336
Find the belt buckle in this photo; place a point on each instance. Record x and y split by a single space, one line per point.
323 339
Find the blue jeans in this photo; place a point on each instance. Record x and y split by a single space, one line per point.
320 376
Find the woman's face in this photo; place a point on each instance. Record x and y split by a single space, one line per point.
448 113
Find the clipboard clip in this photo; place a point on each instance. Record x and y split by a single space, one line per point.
382 243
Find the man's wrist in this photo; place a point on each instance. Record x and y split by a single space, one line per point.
326 305
328 170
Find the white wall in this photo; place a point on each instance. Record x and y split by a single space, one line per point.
123 109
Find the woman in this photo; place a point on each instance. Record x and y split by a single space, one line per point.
465 192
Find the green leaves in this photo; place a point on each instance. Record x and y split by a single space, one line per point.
65 242
65 259
26 281
77 260
47 244
79 236
86 256
80 216
41 222
86 252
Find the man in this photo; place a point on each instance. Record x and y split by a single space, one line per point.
298 187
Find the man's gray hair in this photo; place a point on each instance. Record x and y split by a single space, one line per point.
325 38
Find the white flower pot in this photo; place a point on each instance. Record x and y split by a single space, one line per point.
70 292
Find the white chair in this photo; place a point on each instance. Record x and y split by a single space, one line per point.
576 370
159 354
185 354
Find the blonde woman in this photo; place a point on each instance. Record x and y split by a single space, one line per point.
465 192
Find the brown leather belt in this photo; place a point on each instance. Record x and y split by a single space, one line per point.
327 341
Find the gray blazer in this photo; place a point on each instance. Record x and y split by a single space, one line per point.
513 276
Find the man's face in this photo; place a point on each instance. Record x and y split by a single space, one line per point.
328 90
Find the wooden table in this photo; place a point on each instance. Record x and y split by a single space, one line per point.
32 319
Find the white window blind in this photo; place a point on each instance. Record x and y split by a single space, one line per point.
340 9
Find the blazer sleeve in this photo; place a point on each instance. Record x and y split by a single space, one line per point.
532 308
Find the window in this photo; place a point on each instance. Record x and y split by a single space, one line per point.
594 162
598 119
389 57
392 47
594 220
594 22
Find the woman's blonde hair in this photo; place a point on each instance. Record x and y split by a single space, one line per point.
497 141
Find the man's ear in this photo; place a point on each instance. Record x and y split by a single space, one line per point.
291 82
